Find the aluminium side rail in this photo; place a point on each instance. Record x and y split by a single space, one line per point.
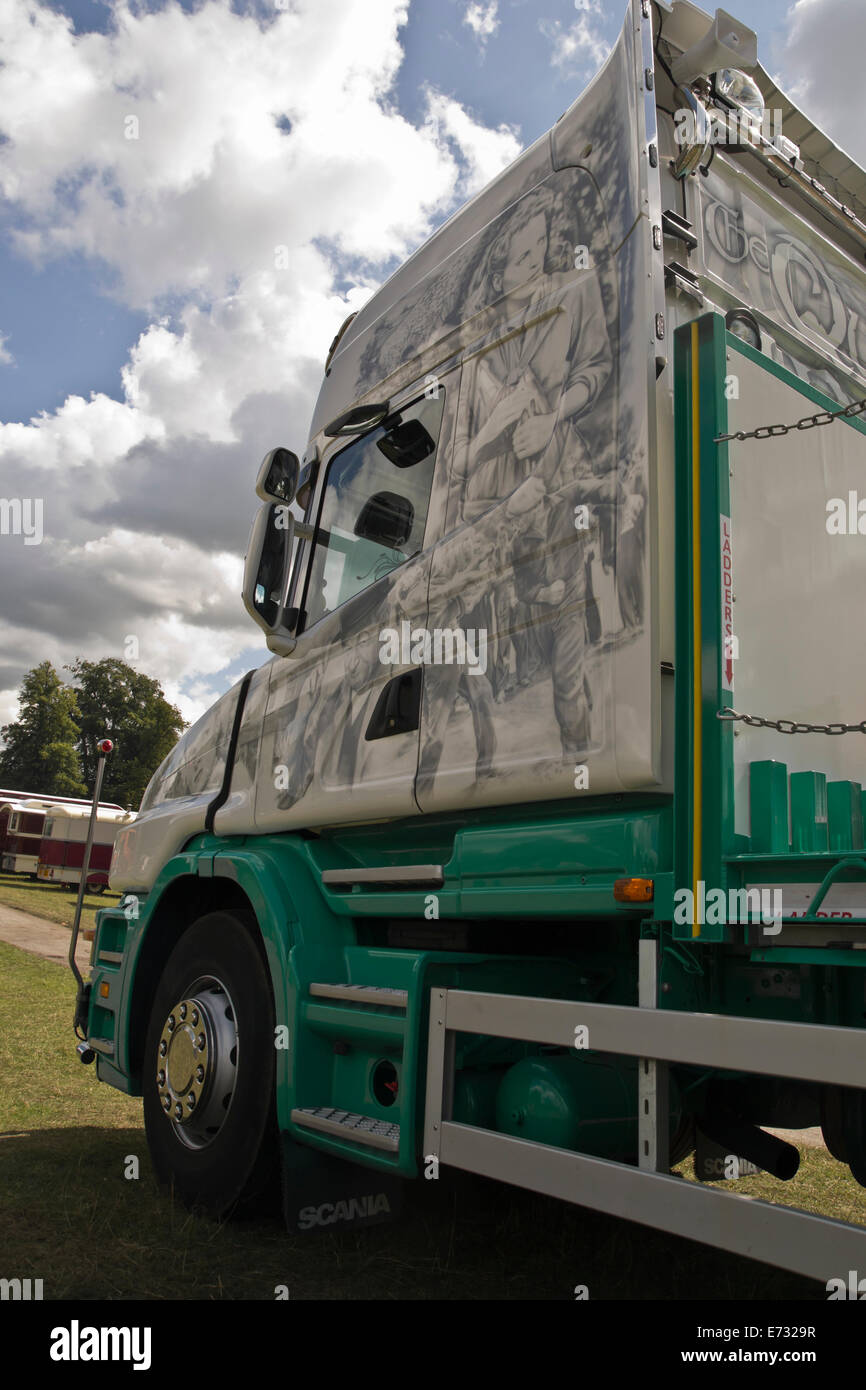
816 1246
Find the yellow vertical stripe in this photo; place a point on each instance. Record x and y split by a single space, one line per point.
697 761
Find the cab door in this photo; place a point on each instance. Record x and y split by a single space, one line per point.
341 728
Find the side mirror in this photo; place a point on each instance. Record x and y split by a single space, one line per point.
278 476
266 572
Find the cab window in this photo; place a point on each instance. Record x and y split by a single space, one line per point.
374 507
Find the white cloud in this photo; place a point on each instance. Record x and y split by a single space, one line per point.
6 358
210 184
485 152
241 229
482 19
580 45
822 68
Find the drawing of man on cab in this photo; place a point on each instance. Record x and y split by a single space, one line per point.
520 444
545 369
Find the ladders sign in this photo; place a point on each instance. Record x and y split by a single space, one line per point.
728 641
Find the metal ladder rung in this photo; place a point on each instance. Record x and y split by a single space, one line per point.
360 1129
363 994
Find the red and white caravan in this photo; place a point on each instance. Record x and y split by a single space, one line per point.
22 822
64 837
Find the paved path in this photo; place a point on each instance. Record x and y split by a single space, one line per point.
41 937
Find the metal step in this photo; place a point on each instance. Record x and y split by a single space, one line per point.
389 875
363 994
360 1129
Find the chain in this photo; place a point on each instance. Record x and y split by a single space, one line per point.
790 726
822 417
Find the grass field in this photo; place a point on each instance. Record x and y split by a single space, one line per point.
68 1215
55 904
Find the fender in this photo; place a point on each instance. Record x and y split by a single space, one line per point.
289 918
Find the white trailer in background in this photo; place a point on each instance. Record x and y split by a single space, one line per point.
64 836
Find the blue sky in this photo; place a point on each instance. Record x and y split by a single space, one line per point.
150 351
50 311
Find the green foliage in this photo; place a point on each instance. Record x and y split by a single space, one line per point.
40 753
51 747
117 702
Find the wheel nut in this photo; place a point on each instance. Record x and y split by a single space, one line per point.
190 1100
166 1103
195 1018
201 1041
178 1110
160 1077
182 1012
199 1073
170 1024
163 1048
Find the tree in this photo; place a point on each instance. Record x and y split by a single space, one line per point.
40 753
117 702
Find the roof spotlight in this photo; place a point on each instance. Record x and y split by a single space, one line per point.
743 324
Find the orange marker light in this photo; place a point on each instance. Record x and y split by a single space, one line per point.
633 890
104 989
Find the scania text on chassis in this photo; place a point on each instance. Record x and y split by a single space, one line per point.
473 873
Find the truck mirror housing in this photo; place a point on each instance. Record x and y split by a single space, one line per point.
278 476
266 570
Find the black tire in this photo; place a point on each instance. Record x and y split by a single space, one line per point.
229 1165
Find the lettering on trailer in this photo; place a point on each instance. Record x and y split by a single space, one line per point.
355 1209
728 640
749 246
842 902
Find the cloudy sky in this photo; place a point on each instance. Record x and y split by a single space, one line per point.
193 196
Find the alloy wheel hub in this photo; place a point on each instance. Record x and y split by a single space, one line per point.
197 1062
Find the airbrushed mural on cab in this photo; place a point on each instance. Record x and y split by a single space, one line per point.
535 526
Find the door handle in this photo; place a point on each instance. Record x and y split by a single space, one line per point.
398 708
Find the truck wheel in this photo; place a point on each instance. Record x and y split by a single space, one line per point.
208 1074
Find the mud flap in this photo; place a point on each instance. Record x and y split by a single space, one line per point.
323 1193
